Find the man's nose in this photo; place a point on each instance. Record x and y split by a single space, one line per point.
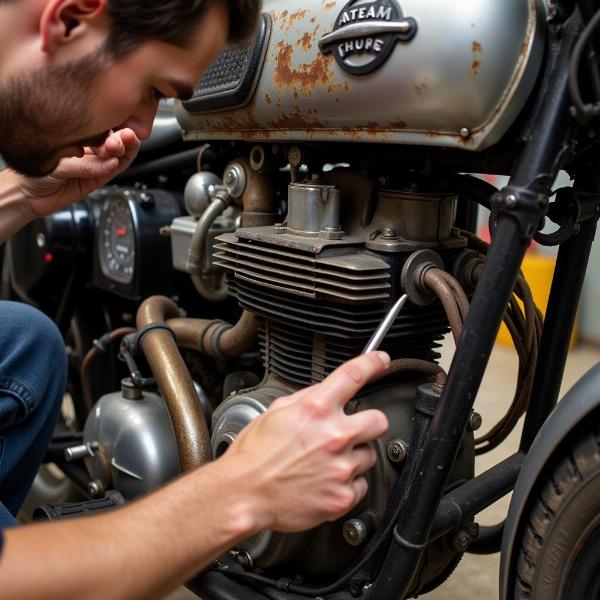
142 120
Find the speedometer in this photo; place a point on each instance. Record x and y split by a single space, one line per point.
116 241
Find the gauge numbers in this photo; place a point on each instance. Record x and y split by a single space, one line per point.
117 241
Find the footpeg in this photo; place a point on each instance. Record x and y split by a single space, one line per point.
53 512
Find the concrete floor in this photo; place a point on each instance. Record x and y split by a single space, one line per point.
477 576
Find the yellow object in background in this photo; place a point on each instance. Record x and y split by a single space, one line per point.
538 270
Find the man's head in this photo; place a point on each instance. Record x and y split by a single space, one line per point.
72 70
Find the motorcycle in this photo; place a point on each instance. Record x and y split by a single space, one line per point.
335 177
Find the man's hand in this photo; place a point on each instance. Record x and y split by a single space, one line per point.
75 177
303 460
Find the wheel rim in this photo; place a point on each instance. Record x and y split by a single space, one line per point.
583 573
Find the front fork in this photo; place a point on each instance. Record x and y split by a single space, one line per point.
522 206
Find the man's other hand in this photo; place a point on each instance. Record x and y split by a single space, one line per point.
76 177
303 461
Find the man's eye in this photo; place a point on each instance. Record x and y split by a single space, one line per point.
156 95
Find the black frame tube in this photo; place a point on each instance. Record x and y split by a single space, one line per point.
567 283
472 497
532 178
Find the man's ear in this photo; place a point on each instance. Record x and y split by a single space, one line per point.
62 21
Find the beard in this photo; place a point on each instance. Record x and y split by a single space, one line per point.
39 108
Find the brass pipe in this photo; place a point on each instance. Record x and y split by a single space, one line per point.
175 383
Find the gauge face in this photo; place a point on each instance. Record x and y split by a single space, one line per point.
117 241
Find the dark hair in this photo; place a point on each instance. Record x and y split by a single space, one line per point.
171 21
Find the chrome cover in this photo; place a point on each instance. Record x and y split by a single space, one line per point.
460 82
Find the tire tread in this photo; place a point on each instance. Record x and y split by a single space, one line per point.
569 472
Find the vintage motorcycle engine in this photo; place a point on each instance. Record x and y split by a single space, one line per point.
320 283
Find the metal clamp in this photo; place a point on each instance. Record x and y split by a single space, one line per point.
132 348
526 207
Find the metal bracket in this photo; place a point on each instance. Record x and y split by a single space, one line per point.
526 207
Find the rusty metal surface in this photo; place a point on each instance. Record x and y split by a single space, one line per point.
353 277
470 67
175 384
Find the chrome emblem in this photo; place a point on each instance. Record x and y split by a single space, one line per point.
366 33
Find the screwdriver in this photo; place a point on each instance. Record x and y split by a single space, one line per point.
385 325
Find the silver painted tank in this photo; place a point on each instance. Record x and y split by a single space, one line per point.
460 82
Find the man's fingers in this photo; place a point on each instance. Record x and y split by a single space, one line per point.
88 167
367 425
347 380
131 143
287 400
365 458
360 487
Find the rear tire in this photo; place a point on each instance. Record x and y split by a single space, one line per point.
560 551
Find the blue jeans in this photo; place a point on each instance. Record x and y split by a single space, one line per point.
33 373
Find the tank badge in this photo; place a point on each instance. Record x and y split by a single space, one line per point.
365 34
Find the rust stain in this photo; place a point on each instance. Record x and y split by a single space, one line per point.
314 20
296 120
306 76
329 6
306 41
475 67
297 16
476 49
400 124
372 125
268 99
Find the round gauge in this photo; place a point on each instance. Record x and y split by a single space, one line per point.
116 241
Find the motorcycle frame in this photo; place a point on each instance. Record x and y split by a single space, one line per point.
427 513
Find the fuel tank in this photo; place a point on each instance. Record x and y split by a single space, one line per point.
421 72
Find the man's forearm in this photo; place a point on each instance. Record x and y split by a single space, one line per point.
141 551
15 210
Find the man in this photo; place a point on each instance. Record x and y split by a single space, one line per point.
80 81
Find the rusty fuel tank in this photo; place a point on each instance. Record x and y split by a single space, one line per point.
421 72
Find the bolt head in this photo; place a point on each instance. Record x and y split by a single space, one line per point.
96 488
397 450
295 156
389 233
510 201
40 240
461 541
465 133
475 421
355 532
